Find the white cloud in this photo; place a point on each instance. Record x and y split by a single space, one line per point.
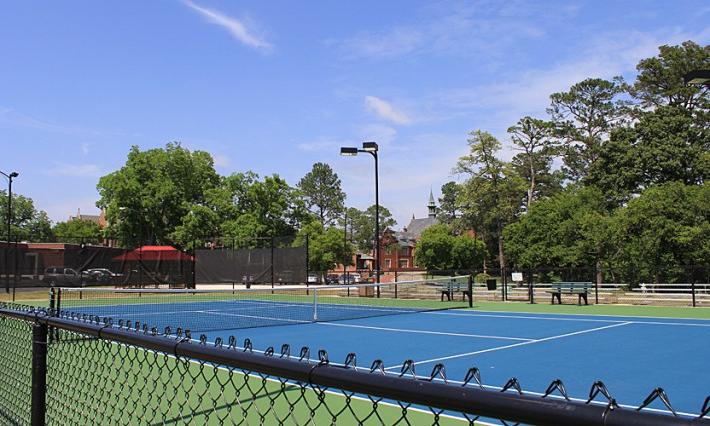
385 110
221 160
235 27
85 148
76 170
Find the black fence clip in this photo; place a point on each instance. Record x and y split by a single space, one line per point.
323 357
408 367
203 339
145 328
657 393
512 383
474 374
188 334
600 388
153 331
706 408
556 385
167 332
137 326
232 342
305 354
218 342
248 347
120 323
178 333
350 360
285 351
438 371
269 351
378 366
129 324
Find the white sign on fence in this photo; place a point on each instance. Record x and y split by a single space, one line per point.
518 276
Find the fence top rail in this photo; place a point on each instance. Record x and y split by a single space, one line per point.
470 398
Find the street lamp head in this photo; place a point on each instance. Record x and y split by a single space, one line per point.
14 175
348 151
369 146
697 78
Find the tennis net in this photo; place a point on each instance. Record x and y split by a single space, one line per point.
209 310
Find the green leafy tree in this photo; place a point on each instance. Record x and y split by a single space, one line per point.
571 229
583 117
26 223
439 249
77 230
362 225
534 137
449 208
322 193
660 78
666 229
325 246
665 145
148 198
493 192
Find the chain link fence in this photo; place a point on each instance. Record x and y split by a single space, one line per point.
86 370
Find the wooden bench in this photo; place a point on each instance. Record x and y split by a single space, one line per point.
581 289
448 289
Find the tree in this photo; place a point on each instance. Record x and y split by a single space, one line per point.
571 229
150 195
77 230
249 208
439 249
362 225
660 79
325 246
493 192
26 223
664 145
449 202
583 117
533 137
322 192
666 229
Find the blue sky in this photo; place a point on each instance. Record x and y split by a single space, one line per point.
276 86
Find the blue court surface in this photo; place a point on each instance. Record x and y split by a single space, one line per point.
631 355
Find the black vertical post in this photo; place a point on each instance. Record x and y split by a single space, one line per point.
15 257
531 286
470 290
596 282
193 276
272 263
692 289
39 373
307 263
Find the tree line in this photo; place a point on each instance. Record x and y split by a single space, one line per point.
615 177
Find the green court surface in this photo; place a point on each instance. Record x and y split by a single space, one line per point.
613 310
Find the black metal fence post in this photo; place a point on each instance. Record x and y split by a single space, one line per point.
531 286
470 290
39 373
692 290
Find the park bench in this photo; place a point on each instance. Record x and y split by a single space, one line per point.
581 289
452 287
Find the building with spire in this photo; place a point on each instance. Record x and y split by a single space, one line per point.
398 246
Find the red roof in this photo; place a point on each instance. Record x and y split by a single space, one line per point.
153 253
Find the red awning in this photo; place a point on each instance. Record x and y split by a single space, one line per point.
154 253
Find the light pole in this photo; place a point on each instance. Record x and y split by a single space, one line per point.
9 177
371 148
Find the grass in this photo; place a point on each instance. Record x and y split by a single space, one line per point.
614 310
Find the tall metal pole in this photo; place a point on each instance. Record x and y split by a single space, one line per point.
377 224
7 237
345 244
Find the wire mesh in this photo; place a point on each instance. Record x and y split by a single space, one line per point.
16 368
207 310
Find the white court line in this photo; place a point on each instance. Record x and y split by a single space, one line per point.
442 333
575 319
498 348
474 312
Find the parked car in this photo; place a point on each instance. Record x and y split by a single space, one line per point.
101 275
350 278
332 279
312 279
59 276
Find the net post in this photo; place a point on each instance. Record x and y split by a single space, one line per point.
39 373
469 288
315 305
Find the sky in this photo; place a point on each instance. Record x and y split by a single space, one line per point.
275 86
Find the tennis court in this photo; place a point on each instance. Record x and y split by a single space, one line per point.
631 355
